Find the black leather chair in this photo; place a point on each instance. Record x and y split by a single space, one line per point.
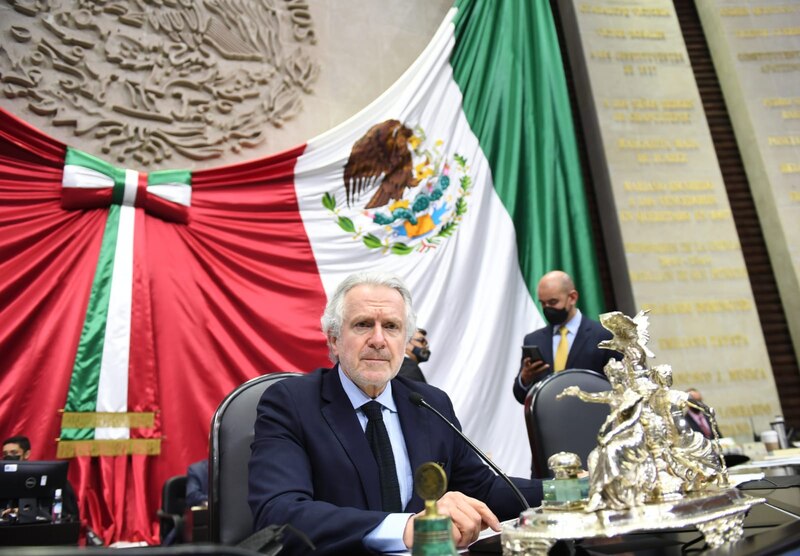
565 425
173 506
230 519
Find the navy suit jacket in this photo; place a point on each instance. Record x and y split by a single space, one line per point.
410 369
197 484
311 465
583 354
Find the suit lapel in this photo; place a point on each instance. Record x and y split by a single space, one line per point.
584 331
338 412
547 348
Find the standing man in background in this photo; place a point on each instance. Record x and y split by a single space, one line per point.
570 339
417 351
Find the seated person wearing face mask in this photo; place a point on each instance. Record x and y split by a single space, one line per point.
417 351
18 448
570 339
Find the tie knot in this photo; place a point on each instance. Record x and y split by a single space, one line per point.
373 410
563 331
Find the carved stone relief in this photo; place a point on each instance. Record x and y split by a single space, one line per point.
151 79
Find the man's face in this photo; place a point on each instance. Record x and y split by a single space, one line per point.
14 451
551 294
371 344
419 340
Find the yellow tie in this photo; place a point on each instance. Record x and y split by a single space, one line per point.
562 351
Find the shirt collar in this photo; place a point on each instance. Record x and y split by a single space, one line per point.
572 326
358 398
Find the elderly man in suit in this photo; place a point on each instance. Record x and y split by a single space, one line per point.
570 339
335 450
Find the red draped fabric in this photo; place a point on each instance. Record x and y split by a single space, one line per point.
233 294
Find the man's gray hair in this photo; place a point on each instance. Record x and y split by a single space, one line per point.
333 316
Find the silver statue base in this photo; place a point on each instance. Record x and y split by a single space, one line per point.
718 514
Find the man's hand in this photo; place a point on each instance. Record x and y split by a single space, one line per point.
469 517
531 369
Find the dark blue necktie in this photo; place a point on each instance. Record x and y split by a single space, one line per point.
381 447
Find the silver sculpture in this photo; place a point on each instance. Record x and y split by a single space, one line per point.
650 470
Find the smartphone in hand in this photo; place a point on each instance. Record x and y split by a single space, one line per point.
532 352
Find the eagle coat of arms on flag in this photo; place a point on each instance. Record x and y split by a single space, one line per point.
401 194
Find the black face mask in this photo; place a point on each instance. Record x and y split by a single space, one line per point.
422 354
12 457
555 316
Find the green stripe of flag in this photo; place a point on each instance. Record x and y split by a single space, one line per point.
83 386
508 66
169 176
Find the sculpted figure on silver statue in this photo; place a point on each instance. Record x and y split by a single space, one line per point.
646 451
650 470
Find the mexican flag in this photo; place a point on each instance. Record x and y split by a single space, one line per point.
131 303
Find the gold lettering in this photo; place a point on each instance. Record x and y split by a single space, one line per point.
714 215
683 342
686 144
651 12
728 273
769 56
646 34
783 140
790 168
774 10
651 248
739 375
668 308
634 144
780 68
686 200
669 261
733 12
650 57
751 33
604 10
675 117
611 33
742 410
694 377
663 216
729 340
773 102
651 276
677 104
786 32
723 306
